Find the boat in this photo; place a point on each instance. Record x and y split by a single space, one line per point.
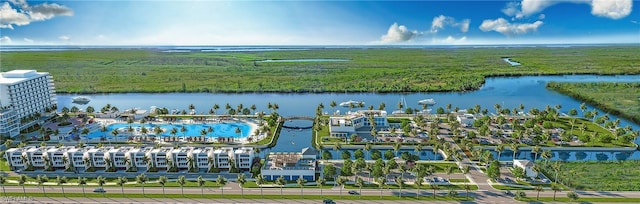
80 99
428 101
404 105
348 103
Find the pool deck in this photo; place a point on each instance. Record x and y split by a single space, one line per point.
253 125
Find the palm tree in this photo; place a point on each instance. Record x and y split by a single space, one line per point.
547 155
381 182
241 180
201 183
320 182
82 181
21 181
183 129
280 182
467 188
555 189
341 181
2 181
449 171
499 150
181 181
61 180
101 180
515 148
162 180
121 181
418 183
400 183
434 187
41 179
360 183
141 179
465 171
538 189
259 182
221 182
536 150
301 182
367 147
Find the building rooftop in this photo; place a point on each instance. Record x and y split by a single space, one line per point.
16 76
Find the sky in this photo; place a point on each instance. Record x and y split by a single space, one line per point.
337 22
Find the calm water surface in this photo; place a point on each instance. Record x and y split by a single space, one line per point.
506 91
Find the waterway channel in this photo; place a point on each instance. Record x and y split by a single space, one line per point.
506 91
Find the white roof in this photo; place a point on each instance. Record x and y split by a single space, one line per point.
523 162
16 76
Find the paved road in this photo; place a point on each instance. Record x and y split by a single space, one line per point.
210 201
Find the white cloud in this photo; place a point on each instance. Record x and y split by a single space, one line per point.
503 26
5 40
439 22
65 38
541 16
10 16
27 40
398 33
614 9
453 40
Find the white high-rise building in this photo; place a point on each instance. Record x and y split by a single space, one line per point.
23 94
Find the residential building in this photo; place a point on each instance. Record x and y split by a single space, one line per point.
527 166
466 120
180 157
360 121
222 156
243 158
291 165
126 157
23 95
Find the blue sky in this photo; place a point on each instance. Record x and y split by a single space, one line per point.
173 22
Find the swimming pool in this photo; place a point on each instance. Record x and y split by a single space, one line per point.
192 130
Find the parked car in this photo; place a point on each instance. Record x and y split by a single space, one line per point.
353 192
328 201
99 190
508 192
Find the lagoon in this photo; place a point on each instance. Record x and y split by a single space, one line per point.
506 91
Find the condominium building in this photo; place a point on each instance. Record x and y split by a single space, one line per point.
24 94
291 165
360 121
126 157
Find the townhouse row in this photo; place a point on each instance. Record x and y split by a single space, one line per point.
200 159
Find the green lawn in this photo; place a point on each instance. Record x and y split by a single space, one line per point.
424 186
591 127
440 167
601 176
4 166
118 194
368 70
560 197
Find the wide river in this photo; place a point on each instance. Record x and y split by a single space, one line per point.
506 91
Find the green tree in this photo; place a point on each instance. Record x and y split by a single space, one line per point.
320 182
360 183
538 189
518 172
241 180
61 180
572 195
142 179
181 181
435 187
162 180
259 182
419 181
221 182
83 182
2 181
340 181
201 183
41 179
400 183
301 183
121 181
555 188
280 182
381 182
493 171
23 179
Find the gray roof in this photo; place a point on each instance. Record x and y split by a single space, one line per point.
309 151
